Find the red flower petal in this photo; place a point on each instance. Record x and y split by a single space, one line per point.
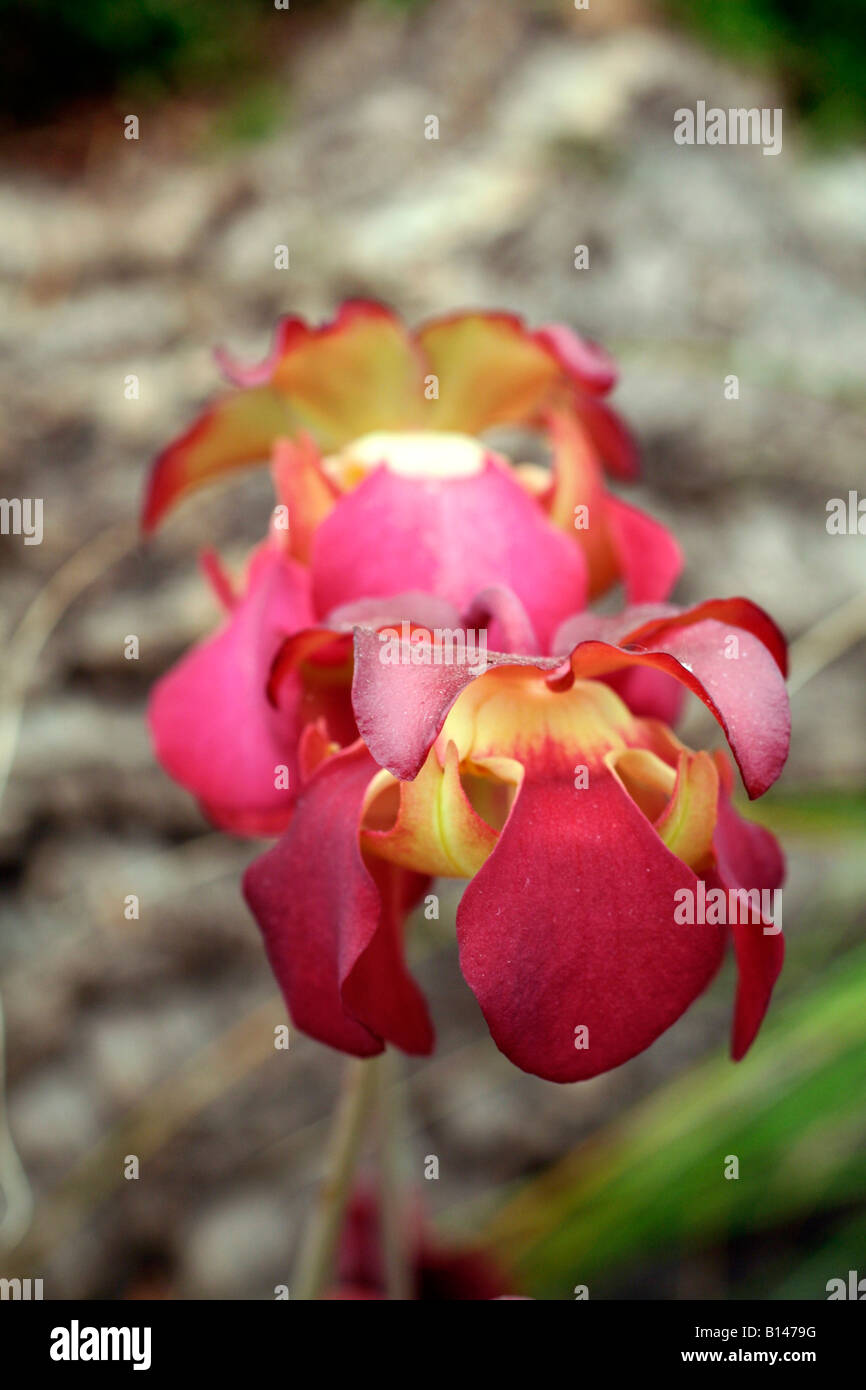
332 929
213 729
611 438
570 923
401 708
748 856
745 692
734 612
650 560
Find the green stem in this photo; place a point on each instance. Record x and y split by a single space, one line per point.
316 1259
395 1252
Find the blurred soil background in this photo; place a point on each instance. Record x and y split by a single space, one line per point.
306 127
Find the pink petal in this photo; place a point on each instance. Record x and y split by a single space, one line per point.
212 726
452 538
400 708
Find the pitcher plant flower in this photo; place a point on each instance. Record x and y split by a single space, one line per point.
577 822
408 685
381 466
404 500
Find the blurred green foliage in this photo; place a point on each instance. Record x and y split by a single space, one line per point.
53 54
650 1187
817 49
815 813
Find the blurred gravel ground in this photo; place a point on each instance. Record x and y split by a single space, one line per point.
703 262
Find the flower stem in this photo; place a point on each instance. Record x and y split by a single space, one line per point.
395 1236
316 1259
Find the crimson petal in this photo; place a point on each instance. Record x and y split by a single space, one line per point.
332 930
748 856
570 924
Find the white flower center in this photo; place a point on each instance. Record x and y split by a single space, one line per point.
421 454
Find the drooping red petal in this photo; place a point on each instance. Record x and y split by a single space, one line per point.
400 708
212 726
452 537
728 652
748 700
570 924
619 541
650 559
611 437
748 856
333 931
736 613
377 987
